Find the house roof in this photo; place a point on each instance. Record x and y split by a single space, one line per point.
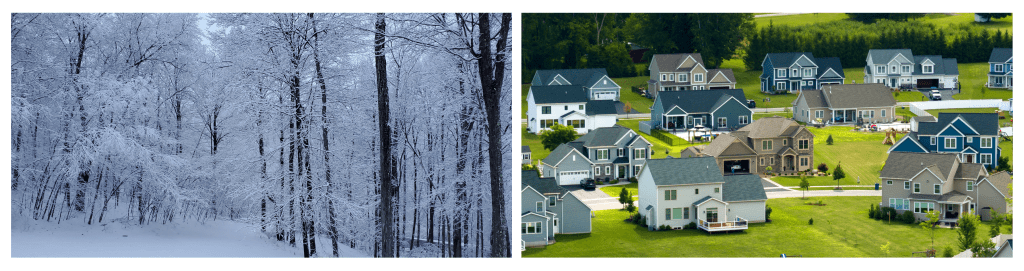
600 107
825 63
532 178
678 171
743 187
702 200
558 94
814 98
576 77
697 101
857 95
604 136
983 123
969 171
769 127
721 143
883 56
783 60
727 72
906 165
1000 55
953 196
943 66
1001 180
526 149
669 62
562 151
925 118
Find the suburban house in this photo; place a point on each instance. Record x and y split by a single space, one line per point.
606 153
717 202
527 155
776 142
717 109
921 182
973 137
549 209
845 104
900 68
1004 249
585 99
792 72
672 72
1000 68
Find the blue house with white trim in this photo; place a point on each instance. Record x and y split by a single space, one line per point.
973 136
1000 68
718 109
549 209
789 72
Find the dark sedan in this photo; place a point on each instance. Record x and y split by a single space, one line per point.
588 184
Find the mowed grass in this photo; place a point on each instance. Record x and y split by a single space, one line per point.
799 19
536 148
750 83
973 77
861 154
1002 122
1007 147
614 190
841 229
659 147
944 21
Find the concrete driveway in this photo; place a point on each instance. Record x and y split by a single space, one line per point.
596 199
947 94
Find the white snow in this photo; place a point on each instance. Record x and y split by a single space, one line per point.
221 238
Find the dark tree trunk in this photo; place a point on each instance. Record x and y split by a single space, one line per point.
386 187
491 76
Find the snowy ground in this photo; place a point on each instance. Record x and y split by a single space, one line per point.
32 238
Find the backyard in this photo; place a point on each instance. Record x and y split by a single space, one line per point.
659 147
614 190
863 155
841 229
1002 122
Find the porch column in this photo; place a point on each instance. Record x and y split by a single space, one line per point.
961 209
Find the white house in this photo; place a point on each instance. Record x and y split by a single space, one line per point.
900 68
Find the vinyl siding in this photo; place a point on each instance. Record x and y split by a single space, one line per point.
752 211
574 215
536 239
731 110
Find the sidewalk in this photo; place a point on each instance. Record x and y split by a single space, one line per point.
825 193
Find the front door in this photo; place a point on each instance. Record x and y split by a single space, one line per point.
621 171
698 121
796 86
969 158
554 226
712 214
892 82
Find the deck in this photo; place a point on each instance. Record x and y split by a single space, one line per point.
738 225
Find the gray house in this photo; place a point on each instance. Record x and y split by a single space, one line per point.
717 109
921 182
845 104
900 68
674 72
549 209
527 155
606 153
793 72
678 191
1000 68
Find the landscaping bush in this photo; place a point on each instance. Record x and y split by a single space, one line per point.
908 217
691 226
823 168
614 181
632 179
948 252
829 140
888 213
872 211
810 221
768 214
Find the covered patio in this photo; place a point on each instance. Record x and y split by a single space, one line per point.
844 115
951 206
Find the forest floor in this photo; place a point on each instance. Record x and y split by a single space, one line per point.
220 238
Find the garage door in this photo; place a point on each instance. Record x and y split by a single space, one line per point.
719 87
572 177
736 166
604 95
927 83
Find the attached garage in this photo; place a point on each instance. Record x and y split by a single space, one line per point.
927 83
604 95
572 177
719 87
736 166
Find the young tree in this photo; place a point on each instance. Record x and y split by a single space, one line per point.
838 174
967 231
997 223
933 218
804 184
625 197
829 140
558 135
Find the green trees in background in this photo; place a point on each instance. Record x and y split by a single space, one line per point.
872 17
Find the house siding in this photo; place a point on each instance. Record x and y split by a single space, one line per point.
568 164
685 198
732 110
536 239
988 196
574 215
752 211
647 192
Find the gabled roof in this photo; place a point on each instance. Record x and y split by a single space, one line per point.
743 187
985 123
784 60
906 165
604 136
1000 55
813 98
883 56
600 107
943 66
562 151
576 77
531 178
697 101
970 171
680 171
857 96
825 63
558 94
726 72
724 141
1001 180
669 62
705 199
526 149
769 127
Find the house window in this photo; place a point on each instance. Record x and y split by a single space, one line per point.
540 206
803 144
803 161
716 190
668 213
531 227
683 77
526 156
766 145
671 77
906 68
785 142
780 86
780 73
761 161
880 69
970 139
636 170
796 72
670 195
970 186
950 142
621 152
602 154
803 83
888 182
906 185
938 189
547 123
686 212
892 69
577 123
545 109
581 107
744 119
933 140
664 77
883 113
986 142
771 160
927 69
696 191
597 170
985 158
924 207
552 200
819 114
677 213
999 67
566 108
640 153
722 122
899 204
607 170
917 188
807 72
698 77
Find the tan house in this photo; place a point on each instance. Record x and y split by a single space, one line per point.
776 142
921 182
845 104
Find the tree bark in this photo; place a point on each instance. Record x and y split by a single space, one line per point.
386 209
491 76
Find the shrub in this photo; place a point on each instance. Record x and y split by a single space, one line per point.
888 213
908 217
948 252
768 213
810 221
823 168
829 140
614 181
632 179
691 226
871 211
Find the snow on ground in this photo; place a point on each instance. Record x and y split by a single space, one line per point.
221 238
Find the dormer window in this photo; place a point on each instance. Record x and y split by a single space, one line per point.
698 77
927 69
906 68
999 67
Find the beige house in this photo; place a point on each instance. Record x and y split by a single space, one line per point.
845 104
921 182
776 142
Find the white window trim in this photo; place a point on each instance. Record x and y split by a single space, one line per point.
744 119
947 140
883 113
807 72
607 169
937 189
982 157
970 186
664 77
970 139
723 122
819 114
606 154
548 107
906 69
621 152
684 77
999 67
888 182
541 205
780 72
989 140
698 77
781 85
906 185
536 227
927 69
880 69
597 170
671 77
917 188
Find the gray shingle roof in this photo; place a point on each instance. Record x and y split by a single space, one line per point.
532 178
825 63
727 72
601 107
720 144
984 123
558 94
576 77
604 136
702 200
769 127
1001 180
526 149
857 96
743 187
943 66
679 171
883 56
697 101
1000 55
787 59
560 152
925 118
905 165
669 62
969 171
814 98
953 196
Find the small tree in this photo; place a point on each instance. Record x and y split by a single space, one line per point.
885 248
1004 164
768 170
933 217
997 222
558 135
823 168
829 140
625 197
948 252
838 174
630 207
983 249
627 107
967 231
804 184
768 214
529 167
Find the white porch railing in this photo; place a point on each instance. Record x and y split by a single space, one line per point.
738 224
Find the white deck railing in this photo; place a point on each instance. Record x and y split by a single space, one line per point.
739 224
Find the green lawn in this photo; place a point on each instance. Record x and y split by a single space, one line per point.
615 189
536 148
1007 147
526 91
945 21
844 188
750 83
841 229
815 181
1002 122
973 77
909 96
862 155
659 146
799 19
758 116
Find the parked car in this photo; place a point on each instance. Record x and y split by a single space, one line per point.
935 95
751 104
588 184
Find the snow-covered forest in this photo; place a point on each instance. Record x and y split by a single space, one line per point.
385 133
